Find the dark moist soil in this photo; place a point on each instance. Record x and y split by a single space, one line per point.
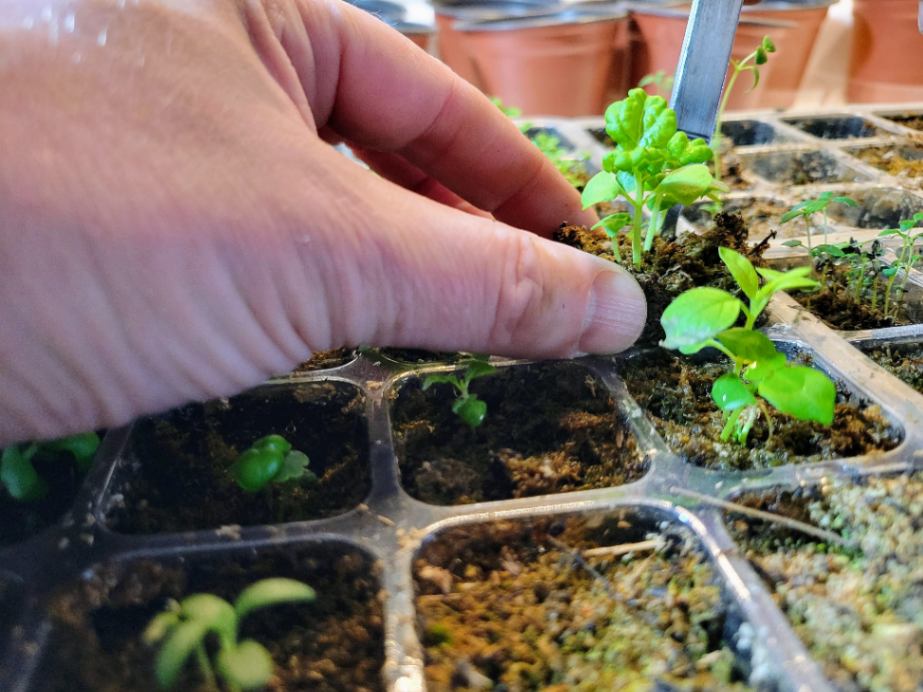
912 121
761 216
904 362
675 392
517 606
324 360
550 428
21 520
839 308
335 643
177 476
673 266
891 160
859 609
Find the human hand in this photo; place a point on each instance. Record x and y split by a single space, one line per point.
174 225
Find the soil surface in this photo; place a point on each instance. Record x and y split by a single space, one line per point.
177 475
894 160
21 520
520 606
761 215
550 428
859 610
673 266
335 643
324 360
675 392
904 362
912 121
799 168
836 304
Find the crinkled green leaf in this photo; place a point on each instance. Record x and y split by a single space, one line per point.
269 592
742 271
801 392
248 665
730 393
293 467
698 314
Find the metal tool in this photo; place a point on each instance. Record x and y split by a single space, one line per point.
703 64
920 16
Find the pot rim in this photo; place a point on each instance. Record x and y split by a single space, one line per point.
567 16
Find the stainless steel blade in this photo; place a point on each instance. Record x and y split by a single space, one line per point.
920 16
703 63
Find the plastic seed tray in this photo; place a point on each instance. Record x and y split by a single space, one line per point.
784 159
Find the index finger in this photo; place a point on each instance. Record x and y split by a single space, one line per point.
377 89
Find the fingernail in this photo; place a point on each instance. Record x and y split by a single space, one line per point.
615 313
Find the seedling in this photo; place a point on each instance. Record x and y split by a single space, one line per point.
750 63
182 630
705 317
466 406
270 459
19 476
660 80
907 257
653 165
816 205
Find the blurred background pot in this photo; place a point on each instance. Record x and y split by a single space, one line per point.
562 63
421 34
887 52
792 26
449 12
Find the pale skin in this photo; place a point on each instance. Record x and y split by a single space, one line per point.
175 226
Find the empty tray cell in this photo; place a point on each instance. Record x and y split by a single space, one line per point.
675 392
761 215
613 602
334 642
549 428
601 136
857 606
744 133
904 161
903 360
911 120
836 127
801 167
175 475
878 208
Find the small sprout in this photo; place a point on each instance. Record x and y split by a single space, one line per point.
908 256
17 471
653 166
660 80
466 406
751 63
270 459
705 317
816 205
508 111
182 629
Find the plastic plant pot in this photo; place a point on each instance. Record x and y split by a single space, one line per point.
886 63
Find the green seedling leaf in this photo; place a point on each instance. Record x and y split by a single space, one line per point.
430 380
742 271
215 613
83 447
848 201
160 625
470 409
294 466
477 368
602 187
828 249
801 392
248 665
697 315
763 368
730 393
685 185
747 344
276 444
19 476
255 468
613 223
793 243
269 592
178 647
888 272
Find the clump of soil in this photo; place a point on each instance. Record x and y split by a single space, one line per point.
761 215
177 476
902 162
673 266
522 606
333 643
859 610
904 362
324 360
675 392
550 428
21 520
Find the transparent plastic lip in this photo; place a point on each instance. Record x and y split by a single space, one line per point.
390 525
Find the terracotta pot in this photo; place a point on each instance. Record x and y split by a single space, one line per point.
793 28
448 43
421 34
558 64
887 52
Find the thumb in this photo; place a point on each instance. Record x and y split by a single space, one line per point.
423 274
